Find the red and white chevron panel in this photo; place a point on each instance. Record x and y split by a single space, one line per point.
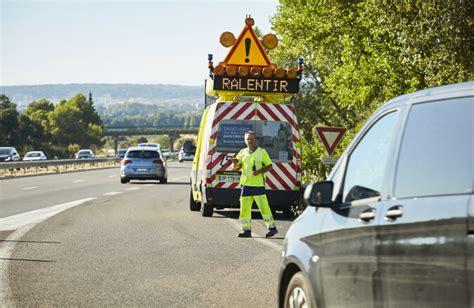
284 176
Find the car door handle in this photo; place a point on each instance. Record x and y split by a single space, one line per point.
367 215
394 212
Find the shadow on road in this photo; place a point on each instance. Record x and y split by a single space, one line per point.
34 242
158 183
234 213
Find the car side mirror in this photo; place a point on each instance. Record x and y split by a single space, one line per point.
319 194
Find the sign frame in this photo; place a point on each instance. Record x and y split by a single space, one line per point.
323 130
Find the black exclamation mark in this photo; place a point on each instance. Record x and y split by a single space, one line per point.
247 49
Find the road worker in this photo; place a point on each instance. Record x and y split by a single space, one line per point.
254 163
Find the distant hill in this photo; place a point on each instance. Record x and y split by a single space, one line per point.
108 94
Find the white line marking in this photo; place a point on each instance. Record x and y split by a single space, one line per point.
32 187
112 176
133 188
112 193
20 220
23 223
78 181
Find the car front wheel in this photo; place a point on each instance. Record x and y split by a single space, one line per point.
123 181
297 294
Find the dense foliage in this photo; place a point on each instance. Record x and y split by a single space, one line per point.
59 130
359 54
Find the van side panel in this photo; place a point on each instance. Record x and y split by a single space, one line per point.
197 161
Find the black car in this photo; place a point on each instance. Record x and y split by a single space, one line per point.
8 154
393 225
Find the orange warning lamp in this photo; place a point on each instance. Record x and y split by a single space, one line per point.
270 41
227 39
243 71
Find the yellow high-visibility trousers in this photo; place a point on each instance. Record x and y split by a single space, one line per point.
245 217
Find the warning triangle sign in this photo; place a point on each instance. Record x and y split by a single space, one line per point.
247 50
330 137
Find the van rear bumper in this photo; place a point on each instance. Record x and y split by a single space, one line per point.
229 198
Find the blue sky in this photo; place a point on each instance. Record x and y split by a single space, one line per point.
153 42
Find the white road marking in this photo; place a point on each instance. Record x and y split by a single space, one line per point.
23 223
112 176
32 187
112 193
20 220
78 181
133 188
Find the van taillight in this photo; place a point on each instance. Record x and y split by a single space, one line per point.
158 162
126 162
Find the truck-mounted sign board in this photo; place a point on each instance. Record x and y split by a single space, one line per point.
247 68
250 84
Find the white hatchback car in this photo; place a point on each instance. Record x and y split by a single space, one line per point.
34 155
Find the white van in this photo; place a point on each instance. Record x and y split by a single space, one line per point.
213 182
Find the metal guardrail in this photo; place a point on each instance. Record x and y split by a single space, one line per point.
55 166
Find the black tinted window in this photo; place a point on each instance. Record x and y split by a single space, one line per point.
436 151
366 166
143 154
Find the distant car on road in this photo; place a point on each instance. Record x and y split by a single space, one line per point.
143 163
393 224
8 154
185 156
34 155
121 153
187 151
166 153
86 153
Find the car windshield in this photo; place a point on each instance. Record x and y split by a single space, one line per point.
4 151
84 152
121 151
143 154
33 155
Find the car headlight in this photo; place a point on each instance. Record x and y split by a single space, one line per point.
8 158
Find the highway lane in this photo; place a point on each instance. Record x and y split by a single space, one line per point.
138 244
23 194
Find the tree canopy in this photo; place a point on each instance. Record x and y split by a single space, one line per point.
359 54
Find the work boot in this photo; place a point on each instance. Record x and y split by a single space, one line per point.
271 232
245 233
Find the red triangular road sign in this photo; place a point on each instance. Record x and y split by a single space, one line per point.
330 137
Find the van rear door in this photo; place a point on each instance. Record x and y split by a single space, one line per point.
277 132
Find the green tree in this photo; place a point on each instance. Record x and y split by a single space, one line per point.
9 124
76 122
38 134
359 54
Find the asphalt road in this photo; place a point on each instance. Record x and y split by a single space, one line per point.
130 245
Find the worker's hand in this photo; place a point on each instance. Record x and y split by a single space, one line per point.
235 161
256 172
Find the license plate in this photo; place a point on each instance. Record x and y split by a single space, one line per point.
228 178
141 170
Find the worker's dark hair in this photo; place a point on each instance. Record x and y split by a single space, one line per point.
251 132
